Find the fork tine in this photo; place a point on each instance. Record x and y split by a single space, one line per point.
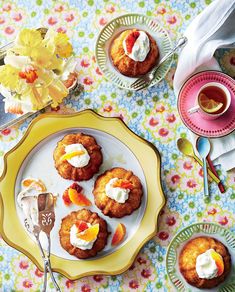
141 87
139 84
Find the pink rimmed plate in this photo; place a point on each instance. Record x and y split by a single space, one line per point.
195 122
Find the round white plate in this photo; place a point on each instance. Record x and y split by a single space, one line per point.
113 29
40 164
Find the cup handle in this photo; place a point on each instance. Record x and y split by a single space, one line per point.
194 109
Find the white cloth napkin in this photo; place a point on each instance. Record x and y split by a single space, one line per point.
212 29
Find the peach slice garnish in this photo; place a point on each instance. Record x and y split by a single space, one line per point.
119 234
122 183
36 184
78 198
70 155
219 262
90 233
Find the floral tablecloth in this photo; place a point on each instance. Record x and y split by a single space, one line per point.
151 113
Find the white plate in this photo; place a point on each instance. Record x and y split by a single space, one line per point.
115 153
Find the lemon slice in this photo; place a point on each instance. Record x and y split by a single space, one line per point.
209 105
70 155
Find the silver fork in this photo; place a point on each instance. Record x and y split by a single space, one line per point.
46 220
143 81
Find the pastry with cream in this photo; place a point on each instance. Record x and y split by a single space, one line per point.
204 262
83 233
134 52
118 192
77 157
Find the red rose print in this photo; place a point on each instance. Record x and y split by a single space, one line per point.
97 70
2 20
223 220
161 10
85 63
87 81
61 30
213 211
110 9
163 132
191 183
69 283
69 17
187 165
141 260
175 179
102 21
146 273
153 122
108 108
17 16
133 284
163 235
52 20
98 278
160 109
171 118
6 7
59 8
9 30
6 132
132 267
172 19
27 284
38 273
232 61
23 265
85 288
170 220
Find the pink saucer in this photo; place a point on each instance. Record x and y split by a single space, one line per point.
186 100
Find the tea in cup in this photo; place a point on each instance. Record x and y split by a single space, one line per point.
212 101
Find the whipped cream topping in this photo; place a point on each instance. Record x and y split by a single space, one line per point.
118 194
78 242
79 160
206 266
140 49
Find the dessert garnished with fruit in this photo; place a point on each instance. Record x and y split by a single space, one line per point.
118 192
83 233
77 157
204 262
134 52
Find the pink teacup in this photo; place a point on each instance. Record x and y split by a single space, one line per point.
219 93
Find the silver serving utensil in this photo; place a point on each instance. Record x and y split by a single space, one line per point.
144 81
203 148
46 219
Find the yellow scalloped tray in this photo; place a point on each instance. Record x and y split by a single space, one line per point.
41 130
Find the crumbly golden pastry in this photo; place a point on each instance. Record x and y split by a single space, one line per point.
68 171
111 207
89 217
188 257
126 65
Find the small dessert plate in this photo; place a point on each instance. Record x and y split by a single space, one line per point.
113 29
219 127
178 242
